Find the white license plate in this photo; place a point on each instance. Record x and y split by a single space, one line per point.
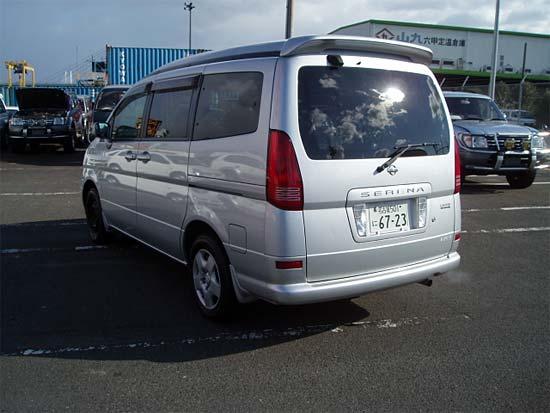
389 217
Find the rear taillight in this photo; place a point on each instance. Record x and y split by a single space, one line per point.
458 179
284 186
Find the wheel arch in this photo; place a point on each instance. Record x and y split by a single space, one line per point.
192 230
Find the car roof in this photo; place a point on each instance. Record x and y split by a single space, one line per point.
464 95
116 87
325 44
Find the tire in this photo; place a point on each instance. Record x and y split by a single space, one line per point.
212 283
94 218
3 139
70 144
84 139
18 147
521 180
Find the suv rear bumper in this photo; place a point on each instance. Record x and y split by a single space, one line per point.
307 293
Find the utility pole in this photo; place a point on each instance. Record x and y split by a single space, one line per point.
189 6
522 80
288 27
492 82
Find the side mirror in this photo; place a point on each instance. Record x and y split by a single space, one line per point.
456 117
102 131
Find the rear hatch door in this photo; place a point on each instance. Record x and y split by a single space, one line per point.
360 219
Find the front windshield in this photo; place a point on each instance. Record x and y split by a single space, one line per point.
474 108
109 99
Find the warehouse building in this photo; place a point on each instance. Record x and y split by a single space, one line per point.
463 54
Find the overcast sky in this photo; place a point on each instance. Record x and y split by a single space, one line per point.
47 32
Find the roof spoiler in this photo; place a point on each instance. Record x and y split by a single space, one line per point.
333 43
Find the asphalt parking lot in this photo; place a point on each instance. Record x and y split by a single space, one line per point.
85 328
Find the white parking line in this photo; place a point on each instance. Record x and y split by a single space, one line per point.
45 224
37 193
506 230
518 208
265 334
498 183
6 251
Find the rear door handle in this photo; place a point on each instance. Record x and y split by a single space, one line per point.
130 156
144 157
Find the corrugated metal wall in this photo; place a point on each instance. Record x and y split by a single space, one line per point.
128 65
73 90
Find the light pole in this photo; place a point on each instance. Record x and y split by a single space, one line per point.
288 27
189 6
492 82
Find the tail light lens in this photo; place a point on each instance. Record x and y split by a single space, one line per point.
458 182
284 186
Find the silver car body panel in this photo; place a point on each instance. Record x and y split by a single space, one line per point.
221 183
116 180
331 250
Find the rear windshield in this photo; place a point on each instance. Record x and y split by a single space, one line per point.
357 113
109 98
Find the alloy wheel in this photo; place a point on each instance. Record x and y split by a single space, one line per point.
206 279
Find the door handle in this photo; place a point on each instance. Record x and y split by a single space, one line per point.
130 156
144 157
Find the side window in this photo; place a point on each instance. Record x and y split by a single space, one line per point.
2 107
229 104
127 120
168 115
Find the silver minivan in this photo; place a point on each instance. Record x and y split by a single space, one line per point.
313 169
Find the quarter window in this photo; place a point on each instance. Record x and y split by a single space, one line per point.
229 104
169 113
127 122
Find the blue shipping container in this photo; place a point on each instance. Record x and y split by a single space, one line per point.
72 90
128 65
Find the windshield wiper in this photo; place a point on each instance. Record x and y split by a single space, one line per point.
400 150
473 117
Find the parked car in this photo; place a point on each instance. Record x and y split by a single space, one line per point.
488 143
4 118
341 141
45 117
106 101
520 117
12 110
541 144
82 117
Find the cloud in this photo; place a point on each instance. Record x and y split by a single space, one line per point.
51 47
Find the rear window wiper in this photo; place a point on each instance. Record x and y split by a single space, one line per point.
400 150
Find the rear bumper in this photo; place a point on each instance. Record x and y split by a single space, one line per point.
307 293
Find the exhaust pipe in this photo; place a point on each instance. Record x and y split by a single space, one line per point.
427 282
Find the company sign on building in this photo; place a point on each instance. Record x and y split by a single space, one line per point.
462 48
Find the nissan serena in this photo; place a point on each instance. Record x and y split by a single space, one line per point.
313 169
